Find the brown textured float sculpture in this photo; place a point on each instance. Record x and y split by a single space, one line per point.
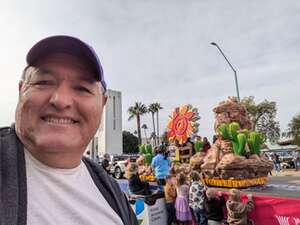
234 160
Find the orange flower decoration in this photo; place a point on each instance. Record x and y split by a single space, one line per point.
182 123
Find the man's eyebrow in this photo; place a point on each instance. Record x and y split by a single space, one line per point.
44 71
88 77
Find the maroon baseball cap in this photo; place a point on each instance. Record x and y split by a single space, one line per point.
68 45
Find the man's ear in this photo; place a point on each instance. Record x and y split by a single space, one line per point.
21 82
104 99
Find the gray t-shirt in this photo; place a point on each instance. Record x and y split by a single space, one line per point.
65 196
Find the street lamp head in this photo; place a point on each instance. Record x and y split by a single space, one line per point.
213 43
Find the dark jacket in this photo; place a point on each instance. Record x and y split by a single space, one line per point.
214 208
13 186
105 165
136 186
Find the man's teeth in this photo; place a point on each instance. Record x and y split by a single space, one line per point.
59 121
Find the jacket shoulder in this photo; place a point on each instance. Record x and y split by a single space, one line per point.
112 192
6 131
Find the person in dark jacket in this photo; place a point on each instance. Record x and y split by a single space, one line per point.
61 99
136 186
214 204
206 145
105 162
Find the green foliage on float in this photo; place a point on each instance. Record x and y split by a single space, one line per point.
148 148
142 149
241 138
198 146
255 140
146 151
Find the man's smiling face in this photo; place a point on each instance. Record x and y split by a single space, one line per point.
60 105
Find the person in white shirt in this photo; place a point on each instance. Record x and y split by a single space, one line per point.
45 180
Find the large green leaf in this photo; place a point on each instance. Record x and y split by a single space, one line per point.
254 141
223 130
233 130
142 149
242 140
148 149
198 146
148 158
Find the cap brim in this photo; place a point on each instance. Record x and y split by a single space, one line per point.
68 45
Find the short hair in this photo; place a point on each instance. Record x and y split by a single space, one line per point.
211 193
23 76
169 177
28 71
234 195
106 155
131 170
195 176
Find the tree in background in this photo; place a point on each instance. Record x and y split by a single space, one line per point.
136 111
152 109
263 117
144 126
157 107
130 142
294 129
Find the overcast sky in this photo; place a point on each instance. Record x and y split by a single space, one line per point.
159 51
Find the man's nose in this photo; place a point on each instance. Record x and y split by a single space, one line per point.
61 97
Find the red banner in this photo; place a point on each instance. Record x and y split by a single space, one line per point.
275 210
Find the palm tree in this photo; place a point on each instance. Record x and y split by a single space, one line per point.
144 126
152 109
158 107
137 110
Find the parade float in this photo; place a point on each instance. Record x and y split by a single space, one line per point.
144 163
234 160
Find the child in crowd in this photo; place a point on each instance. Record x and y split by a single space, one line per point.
214 204
183 213
196 198
136 186
170 196
237 210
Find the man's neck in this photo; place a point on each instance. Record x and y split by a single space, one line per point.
56 160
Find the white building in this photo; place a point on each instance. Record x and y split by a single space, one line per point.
108 138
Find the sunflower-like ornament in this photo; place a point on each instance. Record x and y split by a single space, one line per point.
183 123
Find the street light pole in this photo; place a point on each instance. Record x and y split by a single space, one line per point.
234 71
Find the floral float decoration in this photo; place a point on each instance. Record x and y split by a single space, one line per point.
183 123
